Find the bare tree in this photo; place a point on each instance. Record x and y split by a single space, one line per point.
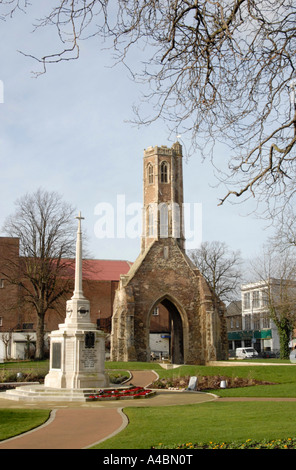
220 267
285 233
6 339
44 225
277 274
219 70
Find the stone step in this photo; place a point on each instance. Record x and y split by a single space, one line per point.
41 392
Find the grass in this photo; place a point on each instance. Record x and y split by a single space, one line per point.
17 421
283 376
234 423
31 370
25 365
217 422
204 423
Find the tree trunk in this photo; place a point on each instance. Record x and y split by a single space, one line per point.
39 354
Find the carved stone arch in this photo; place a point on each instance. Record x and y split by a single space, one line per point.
179 326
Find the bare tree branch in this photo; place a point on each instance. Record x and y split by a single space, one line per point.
44 224
217 70
220 267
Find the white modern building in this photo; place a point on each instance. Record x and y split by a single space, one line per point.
258 329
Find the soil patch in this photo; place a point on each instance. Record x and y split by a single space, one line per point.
207 382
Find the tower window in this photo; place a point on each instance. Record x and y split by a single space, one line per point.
164 172
163 217
150 173
151 221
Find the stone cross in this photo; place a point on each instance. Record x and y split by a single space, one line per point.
78 292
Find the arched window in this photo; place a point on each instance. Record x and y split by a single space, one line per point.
150 173
176 220
163 220
164 172
151 219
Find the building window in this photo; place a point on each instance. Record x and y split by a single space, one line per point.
176 220
255 299
164 220
1 283
151 221
1 321
150 173
247 303
164 170
247 322
266 321
155 311
264 298
256 322
28 326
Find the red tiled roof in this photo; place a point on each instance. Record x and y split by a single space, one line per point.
94 269
99 269
104 270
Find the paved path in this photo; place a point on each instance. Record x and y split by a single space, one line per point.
81 425
70 428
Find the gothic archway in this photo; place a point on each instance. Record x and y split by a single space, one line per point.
176 326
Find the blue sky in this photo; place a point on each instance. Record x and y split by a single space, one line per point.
67 131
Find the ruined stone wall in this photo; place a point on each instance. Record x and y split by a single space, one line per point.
165 272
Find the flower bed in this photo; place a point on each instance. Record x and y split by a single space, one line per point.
122 394
206 383
289 443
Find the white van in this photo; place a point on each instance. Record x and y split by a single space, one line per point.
243 353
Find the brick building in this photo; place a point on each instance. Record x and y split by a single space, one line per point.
10 299
100 281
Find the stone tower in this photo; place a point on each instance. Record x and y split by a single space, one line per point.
163 274
163 195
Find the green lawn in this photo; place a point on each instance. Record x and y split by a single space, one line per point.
214 422
17 421
207 422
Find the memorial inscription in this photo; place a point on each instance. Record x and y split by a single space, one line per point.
56 355
89 358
